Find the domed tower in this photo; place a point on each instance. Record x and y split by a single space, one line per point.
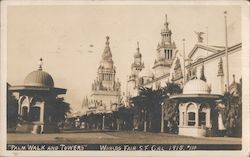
106 71
36 101
166 50
105 89
136 67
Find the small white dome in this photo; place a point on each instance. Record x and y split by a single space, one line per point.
196 86
146 72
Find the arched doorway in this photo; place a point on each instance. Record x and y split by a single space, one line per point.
34 113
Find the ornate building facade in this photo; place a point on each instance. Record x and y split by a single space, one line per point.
106 90
167 66
204 62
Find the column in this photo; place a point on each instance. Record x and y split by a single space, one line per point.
185 118
208 120
20 106
197 115
42 116
181 118
41 112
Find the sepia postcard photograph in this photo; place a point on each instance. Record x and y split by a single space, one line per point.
132 78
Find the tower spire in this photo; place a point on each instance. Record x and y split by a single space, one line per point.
138 48
107 55
202 76
107 40
220 68
166 22
40 64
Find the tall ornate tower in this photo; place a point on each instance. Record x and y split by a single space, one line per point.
165 52
105 89
136 67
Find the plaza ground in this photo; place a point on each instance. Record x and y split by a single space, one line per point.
122 137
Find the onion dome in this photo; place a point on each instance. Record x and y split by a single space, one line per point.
146 72
39 78
196 86
137 53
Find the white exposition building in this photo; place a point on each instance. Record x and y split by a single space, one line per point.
205 66
106 90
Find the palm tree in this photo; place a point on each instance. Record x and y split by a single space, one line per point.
123 115
148 106
57 109
171 107
232 113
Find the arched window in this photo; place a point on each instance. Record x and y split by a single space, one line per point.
202 118
191 118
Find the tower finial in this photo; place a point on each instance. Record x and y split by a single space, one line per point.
166 23
107 40
225 13
199 36
40 64
138 47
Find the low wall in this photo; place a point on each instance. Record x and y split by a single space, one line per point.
192 131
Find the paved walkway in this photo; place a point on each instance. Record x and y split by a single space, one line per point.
124 137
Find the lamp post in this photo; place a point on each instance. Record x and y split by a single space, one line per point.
162 117
103 121
145 120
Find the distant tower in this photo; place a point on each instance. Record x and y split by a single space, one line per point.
165 52
220 75
105 89
136 67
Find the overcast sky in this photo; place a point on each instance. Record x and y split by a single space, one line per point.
62 36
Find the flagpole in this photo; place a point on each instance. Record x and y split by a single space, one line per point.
184 56
207 38
226 51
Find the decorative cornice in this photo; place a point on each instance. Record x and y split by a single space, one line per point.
219 54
